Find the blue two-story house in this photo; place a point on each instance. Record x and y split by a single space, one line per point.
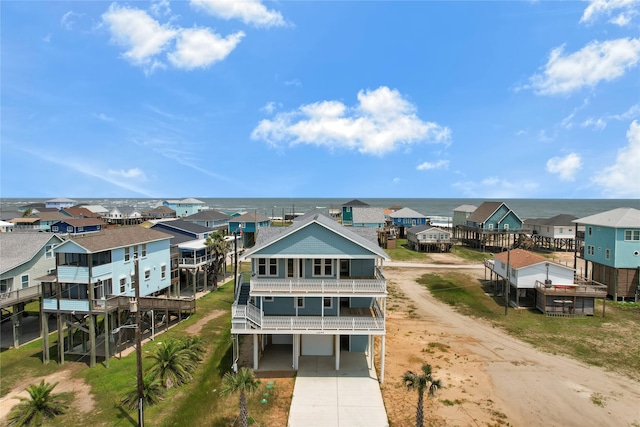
247 225
612 247
210 218
185 207
316 288
93 270
77 226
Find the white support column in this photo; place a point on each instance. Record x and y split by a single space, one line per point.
382 360
336 345
255 352
372 345
296 351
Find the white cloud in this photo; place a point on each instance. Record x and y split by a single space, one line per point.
160 7
270 107
143 36
631 113
565 167
599 8
440 164
103 117
396 180
622 179
594 63
69 19
199 48
133 173
496 188
293 82
597 124
249 11
622 20
382 121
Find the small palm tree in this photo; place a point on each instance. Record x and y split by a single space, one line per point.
218 248
421 382
40 405
244 382
172 363
196 346
152 393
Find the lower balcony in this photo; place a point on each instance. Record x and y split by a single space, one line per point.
250 319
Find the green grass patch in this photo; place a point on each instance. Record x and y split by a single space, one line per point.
469 254
611 341
402 252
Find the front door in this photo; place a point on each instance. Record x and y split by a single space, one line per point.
295 268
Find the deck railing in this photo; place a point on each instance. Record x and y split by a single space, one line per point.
577 289
351 285
20 295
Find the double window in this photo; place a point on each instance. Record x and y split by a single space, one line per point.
267 267
163 271
322 267
632 235
591 250
123 284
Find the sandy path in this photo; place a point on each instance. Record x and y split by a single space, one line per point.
530 387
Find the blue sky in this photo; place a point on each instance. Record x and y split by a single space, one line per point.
320 99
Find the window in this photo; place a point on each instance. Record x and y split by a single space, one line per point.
54 228
144 250
267 267
127 254
503 265
560 230
69 229
299 302
163 271
80 228
322 267
48 251
607 254
25 281
268 299
591 250
590 231
490 226
147 274
273 267
327 302
631 235
506 226
514 272
123 284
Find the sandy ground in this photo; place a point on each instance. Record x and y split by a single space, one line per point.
489 377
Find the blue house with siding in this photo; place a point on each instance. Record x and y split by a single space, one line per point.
210 218
494 216
247 225
316 288
94 270
185 207
612 248
60 203
346 215
77 226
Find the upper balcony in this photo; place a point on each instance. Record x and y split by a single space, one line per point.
370 285
582 288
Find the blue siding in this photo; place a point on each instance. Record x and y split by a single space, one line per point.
284 306
361 302
314 239
359 343
623 252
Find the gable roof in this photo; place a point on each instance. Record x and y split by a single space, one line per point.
18 248
425 227
355 202
208 215
520 258
182 225
96 208
273 236
465 208
113 238
81 222
484 211
368 215
80 212
406 213
616 218
250 217
50 216
159 209
310 214
558 220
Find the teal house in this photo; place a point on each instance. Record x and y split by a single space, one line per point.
247 226
347 210
316 288
494 216
612 249
184 207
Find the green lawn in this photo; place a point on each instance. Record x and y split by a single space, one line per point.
611 341
403 253
196 403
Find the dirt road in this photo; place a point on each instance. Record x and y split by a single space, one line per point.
493 378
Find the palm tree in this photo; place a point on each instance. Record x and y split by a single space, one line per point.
172 363
41 404
195 345
244 382
218 248
421 382
152 393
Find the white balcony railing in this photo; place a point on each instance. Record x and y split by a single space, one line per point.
249 317
351 285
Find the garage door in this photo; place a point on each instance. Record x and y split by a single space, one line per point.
317 345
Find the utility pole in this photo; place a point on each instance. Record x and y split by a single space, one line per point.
506 292
139 346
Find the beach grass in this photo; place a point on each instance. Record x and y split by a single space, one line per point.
402 252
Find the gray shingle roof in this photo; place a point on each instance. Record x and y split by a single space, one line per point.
368 215
112 238
406 213
17 248
355 202
617 218
465 208
272 234
250 217
558 220
208 215
180 224
484 211
425 227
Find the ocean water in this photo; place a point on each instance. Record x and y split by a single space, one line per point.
525 208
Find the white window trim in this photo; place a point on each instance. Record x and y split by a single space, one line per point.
322 267
330 306
22 281
268 299
295 302
147 276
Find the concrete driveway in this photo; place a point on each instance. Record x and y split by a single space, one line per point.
324 397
